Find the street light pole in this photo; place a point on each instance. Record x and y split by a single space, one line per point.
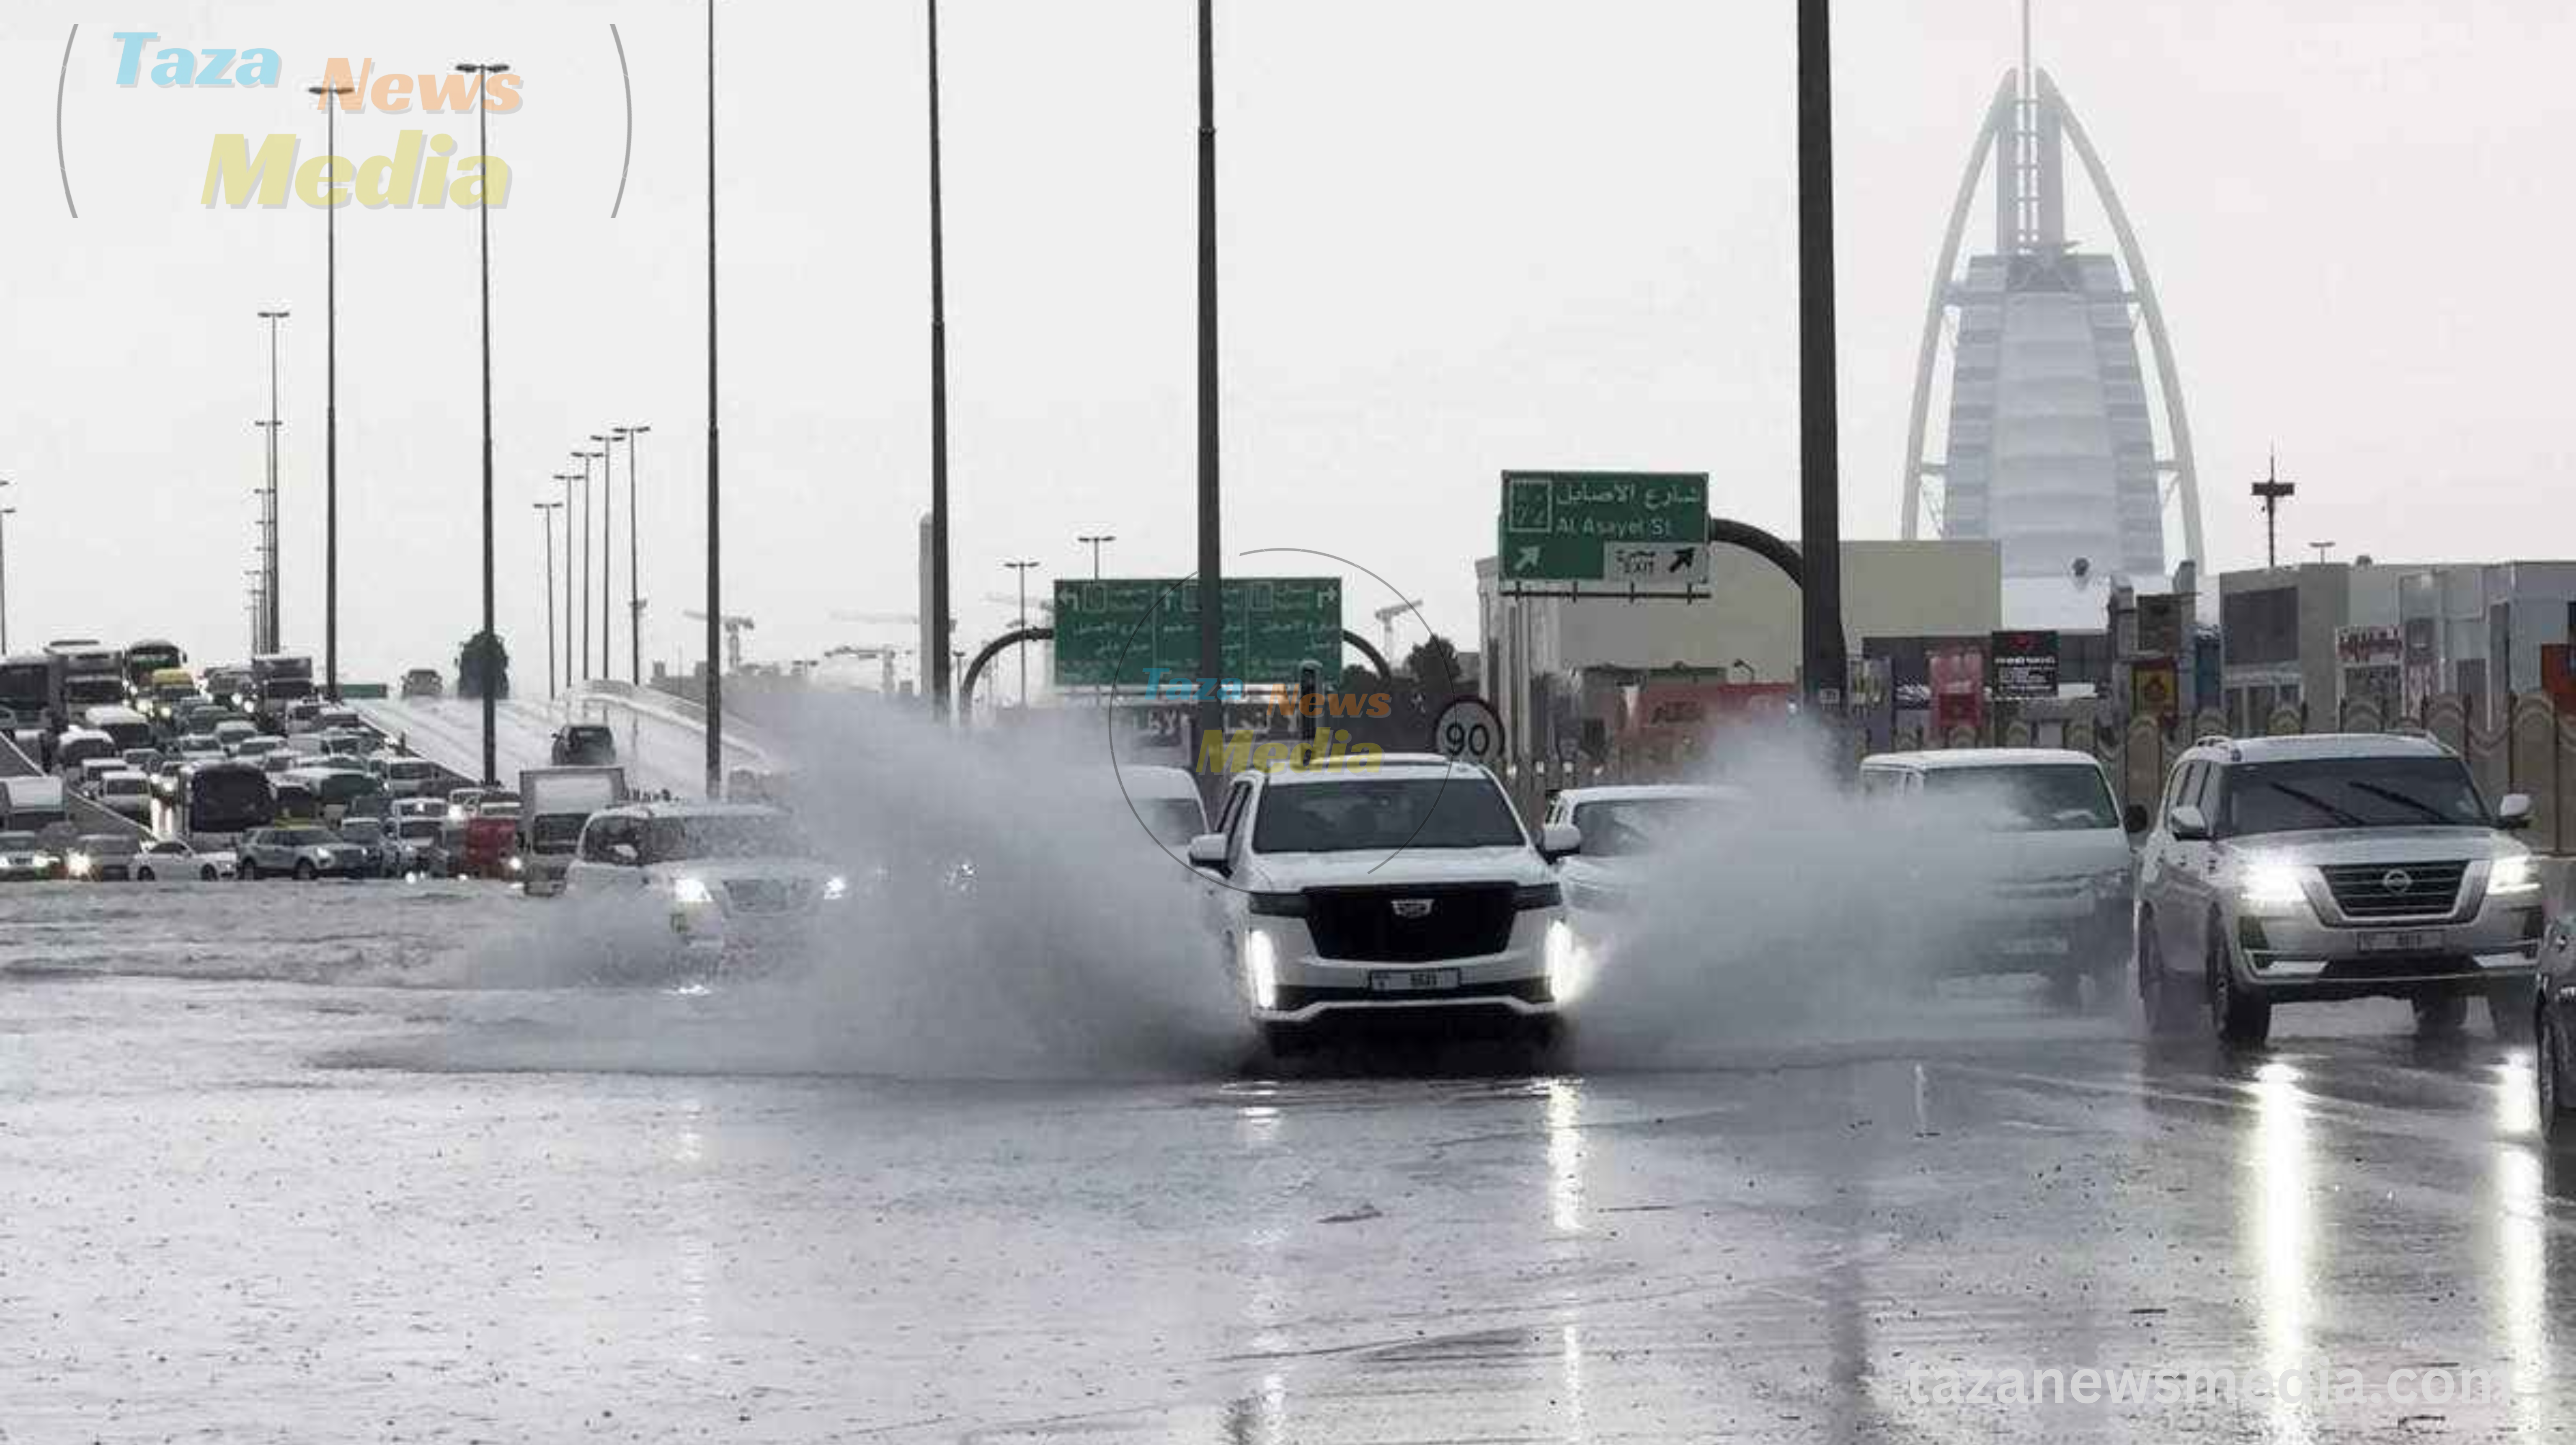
491 642
1819 427
1211 668
1093 542
267 631
586 459
546 521
330 96
714 697
939 610
634 603
1022 567
567 479
607 547
5 514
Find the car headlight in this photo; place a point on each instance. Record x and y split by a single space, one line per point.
1564 979
2517 874
2271 887
78 863
1261 968
836 886
691 891
520 865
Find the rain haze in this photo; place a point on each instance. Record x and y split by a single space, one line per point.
2000 984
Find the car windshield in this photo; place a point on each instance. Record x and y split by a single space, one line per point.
743 835
1171 820
2349 793
302 837
17 842
124 783
362 830
419 828
2043 798
1353 814
1618 827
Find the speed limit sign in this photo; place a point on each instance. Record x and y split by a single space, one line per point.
1468 730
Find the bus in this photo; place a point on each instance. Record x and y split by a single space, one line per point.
26 689
218 802
148 657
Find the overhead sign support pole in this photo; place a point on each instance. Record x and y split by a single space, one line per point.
1819 509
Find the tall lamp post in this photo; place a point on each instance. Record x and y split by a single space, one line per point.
607 545
482 72
585 458
1022 567
938 609
715 518
266 633
1093 542
5 514
1211 709
634 601
1819 461
330 95
545 520
567 479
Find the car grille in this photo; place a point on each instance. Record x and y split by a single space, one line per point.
1362 925
2363 890
768 895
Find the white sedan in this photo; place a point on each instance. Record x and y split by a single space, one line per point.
170 858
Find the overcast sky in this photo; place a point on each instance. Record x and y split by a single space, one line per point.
1459 236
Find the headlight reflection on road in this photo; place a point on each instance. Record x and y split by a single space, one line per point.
2285 1217
1565 1155
2521 1252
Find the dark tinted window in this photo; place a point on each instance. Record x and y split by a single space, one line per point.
758 835
1356 814
2349 793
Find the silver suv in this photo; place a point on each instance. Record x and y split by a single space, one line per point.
2345 865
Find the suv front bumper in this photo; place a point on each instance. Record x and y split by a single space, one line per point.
1308 987
2300 957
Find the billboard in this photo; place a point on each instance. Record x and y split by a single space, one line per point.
2023 665
1958 687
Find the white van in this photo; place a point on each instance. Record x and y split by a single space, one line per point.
2053 872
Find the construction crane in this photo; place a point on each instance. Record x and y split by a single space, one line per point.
734 628
884 656
1386 624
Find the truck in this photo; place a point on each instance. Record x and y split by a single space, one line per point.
26 689
554 803
32 804
276 679
86 675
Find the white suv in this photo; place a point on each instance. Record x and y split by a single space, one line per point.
732 883
2337 866
1386 883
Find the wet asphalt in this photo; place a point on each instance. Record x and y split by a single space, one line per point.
276 1166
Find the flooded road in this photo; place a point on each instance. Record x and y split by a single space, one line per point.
297 1163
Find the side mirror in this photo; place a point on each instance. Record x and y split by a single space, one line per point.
1207 850
2135 819
2190 825
2514 811
1559 840
625 854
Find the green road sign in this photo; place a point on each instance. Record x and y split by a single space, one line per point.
1109 632
1628 529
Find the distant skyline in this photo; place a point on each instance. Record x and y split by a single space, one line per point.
1458 237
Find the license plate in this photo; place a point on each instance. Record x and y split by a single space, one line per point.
1412 980
2415 941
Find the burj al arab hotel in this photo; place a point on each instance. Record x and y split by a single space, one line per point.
2050 447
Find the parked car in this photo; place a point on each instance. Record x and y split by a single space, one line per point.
423 682
171 858
300 852
103 858
24 859
2335 866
